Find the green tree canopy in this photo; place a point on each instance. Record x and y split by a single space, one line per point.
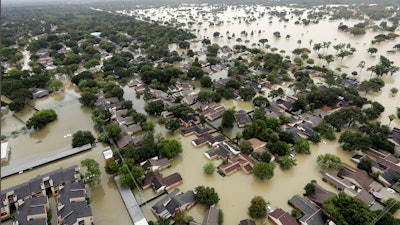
206 196
92 175
258 208
263 170
228 118
329 162
169 148
287 162
209 168
41 118
347 210
302 146
81 138
173 124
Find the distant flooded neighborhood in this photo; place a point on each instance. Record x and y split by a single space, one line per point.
201 114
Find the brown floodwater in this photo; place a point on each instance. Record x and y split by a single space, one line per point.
236 190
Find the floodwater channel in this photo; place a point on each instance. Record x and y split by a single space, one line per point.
235 191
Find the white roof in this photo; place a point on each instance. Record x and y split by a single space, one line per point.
5 148
108 154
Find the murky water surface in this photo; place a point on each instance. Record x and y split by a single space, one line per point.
237 190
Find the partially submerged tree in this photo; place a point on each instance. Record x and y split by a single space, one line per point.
81 138
92 175
206 196
329 162
258 208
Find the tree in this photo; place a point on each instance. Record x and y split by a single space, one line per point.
315 138
81 138
391 118
209 168
41 118
17 105
329 162
263 170
169 148
286 162
276 93
310 188
111 167
245 147
354 141
112 131
228 118
280 148
348 210
260 101
258 208
365 164
247 93
195 72
155 107
88 98
181 110
206 196
394 91
55 85
263 41
92 175
206 81
173 124
361 65
372 50
302 146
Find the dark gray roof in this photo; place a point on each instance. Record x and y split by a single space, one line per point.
312 214
303 205
390 176
172 202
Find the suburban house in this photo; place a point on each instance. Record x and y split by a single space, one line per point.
209 139
257 145
211 217
213 113
360 178
242 118
247 222
312 214
350 189
221 151
159 183
190 120
319 196
281 217
241 161
155 164
174 202
196 130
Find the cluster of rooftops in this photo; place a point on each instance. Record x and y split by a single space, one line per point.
30 200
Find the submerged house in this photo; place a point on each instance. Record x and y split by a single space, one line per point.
159 183
174 202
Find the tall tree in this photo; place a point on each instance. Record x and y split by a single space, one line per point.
258 208
92 175
206 196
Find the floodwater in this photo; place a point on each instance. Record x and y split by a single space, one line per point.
237 190
107 205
